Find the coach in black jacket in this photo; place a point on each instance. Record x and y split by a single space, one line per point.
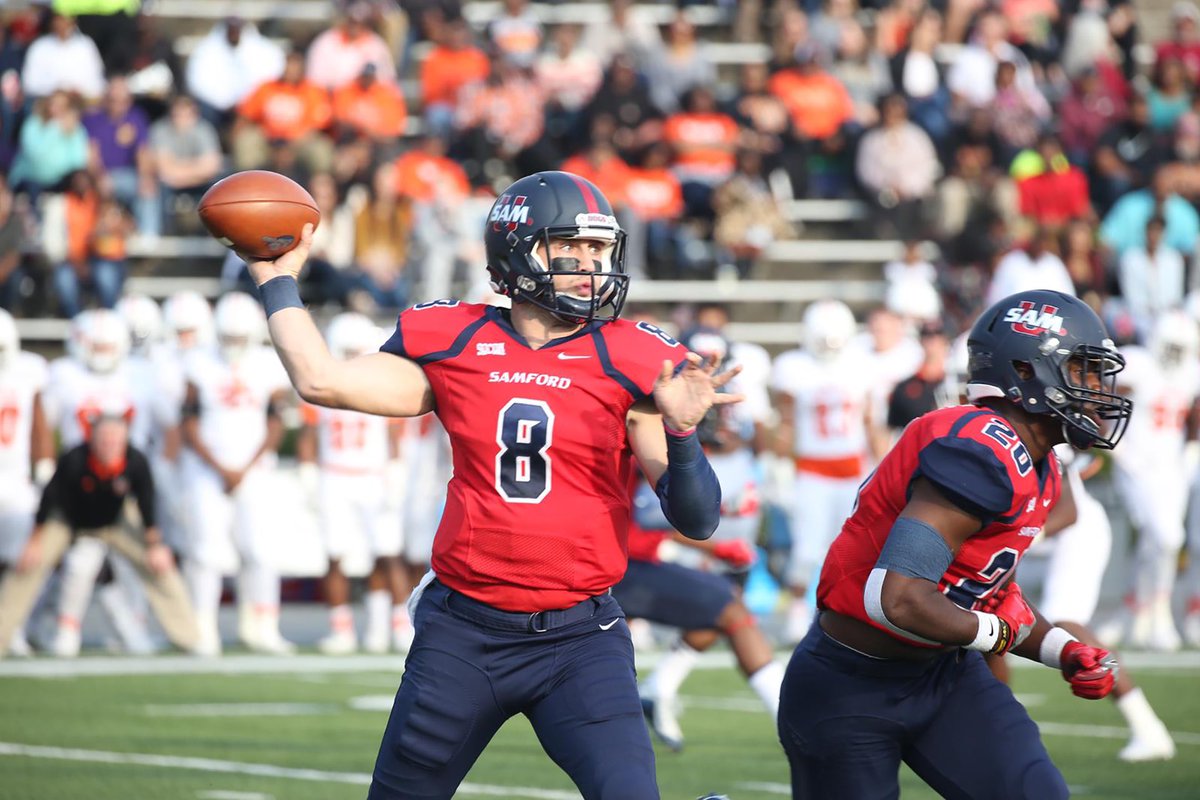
90 495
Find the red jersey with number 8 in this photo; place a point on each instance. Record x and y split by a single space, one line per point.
976 460
537 511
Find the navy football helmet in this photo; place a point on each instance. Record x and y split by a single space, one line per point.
1049 352
556 205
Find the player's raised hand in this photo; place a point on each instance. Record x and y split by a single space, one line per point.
1091 671
290 263
684 397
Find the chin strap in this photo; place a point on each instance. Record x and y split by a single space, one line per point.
1080 430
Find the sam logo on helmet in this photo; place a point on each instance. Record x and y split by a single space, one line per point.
1025 319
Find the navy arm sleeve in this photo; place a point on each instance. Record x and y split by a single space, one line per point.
970 475
689 492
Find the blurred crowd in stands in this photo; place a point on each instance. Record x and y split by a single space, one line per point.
1021 137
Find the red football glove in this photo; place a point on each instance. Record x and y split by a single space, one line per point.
1091 671
1009 605
734 552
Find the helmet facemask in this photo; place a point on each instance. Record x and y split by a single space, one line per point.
1079 386
601 300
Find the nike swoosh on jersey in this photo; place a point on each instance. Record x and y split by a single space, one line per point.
569 357
604 627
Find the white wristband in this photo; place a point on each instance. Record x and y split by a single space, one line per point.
1050 653
43 471
988 634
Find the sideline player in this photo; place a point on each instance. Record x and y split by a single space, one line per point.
26 451
1163 381
825 403
704 605
347 463
543 405
232 430
893 670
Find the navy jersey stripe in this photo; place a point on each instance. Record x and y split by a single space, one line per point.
395 343
611 371
962 421
457 346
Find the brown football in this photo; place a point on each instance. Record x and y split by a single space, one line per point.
258 213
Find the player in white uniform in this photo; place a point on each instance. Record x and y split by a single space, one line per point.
347 461
824 394
231 431
188 328
26 449
1164 382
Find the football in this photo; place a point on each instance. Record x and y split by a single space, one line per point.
258 213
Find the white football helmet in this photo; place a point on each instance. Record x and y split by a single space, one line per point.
144 319
103 343
828 327
1175 340
241 325
914 299
351 334
189 320
10 340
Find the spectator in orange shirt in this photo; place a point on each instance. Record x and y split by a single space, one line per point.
820 107
369 108
95 233
337 56
601 165
655 201
453 63
1057 194
425 175
817 101
705 142
288 115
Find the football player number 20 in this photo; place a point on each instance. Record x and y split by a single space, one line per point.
524 431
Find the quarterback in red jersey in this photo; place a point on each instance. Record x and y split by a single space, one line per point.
543 406
917 585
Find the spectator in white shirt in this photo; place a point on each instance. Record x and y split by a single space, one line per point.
1036 266
1151 277
63 59
229 63
624 32
339 55
972 77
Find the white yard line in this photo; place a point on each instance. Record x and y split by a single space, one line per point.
256 770
1107 732
222 794
238 709
308 664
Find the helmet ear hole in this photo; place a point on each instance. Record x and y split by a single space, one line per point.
1023 369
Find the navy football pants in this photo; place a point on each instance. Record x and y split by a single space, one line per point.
673 595
471 668
847 721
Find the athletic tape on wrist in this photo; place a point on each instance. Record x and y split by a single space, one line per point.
1050 652
280 293
994 634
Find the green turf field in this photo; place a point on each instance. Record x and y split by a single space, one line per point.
311 733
